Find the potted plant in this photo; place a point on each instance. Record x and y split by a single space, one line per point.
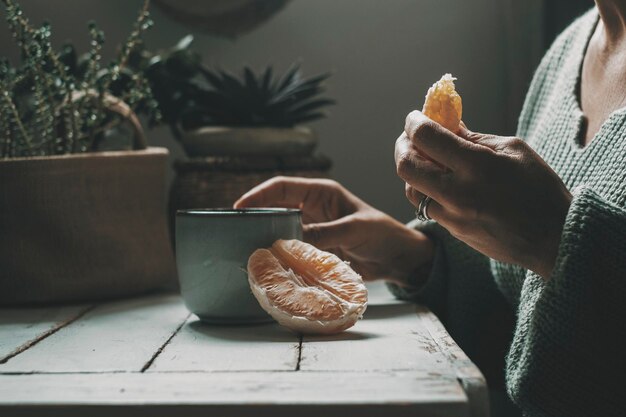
236 131
214 113
82 213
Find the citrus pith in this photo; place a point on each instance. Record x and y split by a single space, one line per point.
306 289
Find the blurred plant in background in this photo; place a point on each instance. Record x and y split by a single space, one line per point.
190 95
57 102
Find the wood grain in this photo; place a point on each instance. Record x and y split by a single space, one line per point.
468 374
389 337
150 357
120 336
21 328
232 394
210 348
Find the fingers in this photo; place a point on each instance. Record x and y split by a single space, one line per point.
422 174
413 195
495 143
278 191
434 210
437 142
329 235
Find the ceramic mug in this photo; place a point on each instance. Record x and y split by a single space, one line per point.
212 251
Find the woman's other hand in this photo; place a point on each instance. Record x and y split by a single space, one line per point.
377 246
493 193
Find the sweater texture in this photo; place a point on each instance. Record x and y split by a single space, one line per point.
559 341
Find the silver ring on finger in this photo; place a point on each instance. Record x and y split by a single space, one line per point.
422 209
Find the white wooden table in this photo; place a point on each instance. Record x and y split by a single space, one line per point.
149 357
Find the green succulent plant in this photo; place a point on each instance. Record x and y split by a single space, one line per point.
190 95
264 99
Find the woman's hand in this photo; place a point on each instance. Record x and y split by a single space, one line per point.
377 246
493 193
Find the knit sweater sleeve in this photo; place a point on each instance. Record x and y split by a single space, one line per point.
566 358
451 257
461 291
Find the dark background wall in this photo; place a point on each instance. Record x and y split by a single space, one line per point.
559 13
384 56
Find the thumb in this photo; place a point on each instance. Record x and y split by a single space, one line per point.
467 134
490 141
328 235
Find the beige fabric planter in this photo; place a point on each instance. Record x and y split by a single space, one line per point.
83 227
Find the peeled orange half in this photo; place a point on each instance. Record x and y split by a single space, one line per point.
306 289
443 104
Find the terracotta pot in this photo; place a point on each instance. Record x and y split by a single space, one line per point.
247 141
84 227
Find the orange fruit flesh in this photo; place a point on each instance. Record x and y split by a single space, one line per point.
306 289
321 268
443 104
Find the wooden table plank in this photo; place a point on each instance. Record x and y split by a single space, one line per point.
21 328
118 336
209 348
398 360
389 337
232 394
397 336
467 373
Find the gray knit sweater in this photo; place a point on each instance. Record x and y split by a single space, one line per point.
564 352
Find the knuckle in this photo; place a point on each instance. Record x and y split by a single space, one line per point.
409 118
401 141
412 113
333 188
412 119
279 179
328 183
423 128
409 192
405 164
356 223
514 143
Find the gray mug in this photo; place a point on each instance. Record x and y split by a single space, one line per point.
212 251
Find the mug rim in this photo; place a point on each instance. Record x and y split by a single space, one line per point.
229 211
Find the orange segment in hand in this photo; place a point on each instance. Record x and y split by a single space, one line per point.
306 289
443 104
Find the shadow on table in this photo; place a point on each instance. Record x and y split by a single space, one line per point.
270 333
385 311
267 332
351 335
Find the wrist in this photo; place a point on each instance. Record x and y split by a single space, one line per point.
546 256
413 265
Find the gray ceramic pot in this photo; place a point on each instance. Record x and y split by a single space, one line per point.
242 141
